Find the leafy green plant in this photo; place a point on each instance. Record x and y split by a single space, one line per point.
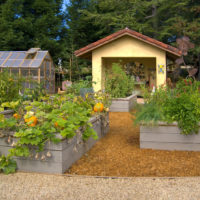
183 106
50 119
7 165
10 86
117 83
76 87
180 104
35 93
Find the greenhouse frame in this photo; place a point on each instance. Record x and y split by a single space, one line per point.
34 65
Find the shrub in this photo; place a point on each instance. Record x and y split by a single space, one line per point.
183 106
117 83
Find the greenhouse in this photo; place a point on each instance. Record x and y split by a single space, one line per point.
34 64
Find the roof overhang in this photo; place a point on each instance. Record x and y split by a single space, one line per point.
86 52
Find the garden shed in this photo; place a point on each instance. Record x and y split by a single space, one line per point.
34 65
146 57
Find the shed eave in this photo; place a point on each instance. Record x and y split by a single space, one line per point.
127 32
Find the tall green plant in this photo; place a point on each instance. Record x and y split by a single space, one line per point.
117 83
9 87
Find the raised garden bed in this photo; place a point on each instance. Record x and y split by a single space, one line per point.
167 137
123 104
60 156
7 113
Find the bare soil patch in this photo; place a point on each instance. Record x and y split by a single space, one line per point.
119 154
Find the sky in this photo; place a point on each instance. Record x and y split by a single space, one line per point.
64 3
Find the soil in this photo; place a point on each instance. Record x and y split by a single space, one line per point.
119 154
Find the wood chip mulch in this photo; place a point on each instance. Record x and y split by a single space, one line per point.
119 154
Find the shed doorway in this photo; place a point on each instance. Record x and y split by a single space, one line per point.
142 70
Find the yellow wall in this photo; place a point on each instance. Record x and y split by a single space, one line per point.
126 47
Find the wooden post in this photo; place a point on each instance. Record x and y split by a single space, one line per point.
39 75
20 72
44 69
50 78
29 74
70 70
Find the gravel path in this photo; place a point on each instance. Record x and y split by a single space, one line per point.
119 154
30 186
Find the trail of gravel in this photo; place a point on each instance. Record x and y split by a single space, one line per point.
21 186
119 154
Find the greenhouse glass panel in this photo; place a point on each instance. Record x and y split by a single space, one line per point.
22 55
15 71
16 63
5 55
32 50
42 70
34 74
47 69
47 57
36 63
52 71
26 63
8 63
25 72
1 54
14 55
1 61
26 85
40 55
47 85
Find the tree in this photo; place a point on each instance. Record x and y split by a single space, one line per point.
36 23
80 31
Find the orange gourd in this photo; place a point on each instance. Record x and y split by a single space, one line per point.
32 119
98 107
56 124
16 116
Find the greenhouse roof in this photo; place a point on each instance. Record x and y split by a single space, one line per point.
32 58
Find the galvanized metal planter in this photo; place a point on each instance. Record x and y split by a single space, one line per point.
123 104
168 137
57 158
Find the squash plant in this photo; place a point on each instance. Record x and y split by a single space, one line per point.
52 118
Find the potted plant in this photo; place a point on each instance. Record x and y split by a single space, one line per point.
121 88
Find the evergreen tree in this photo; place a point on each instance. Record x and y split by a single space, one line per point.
37 23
